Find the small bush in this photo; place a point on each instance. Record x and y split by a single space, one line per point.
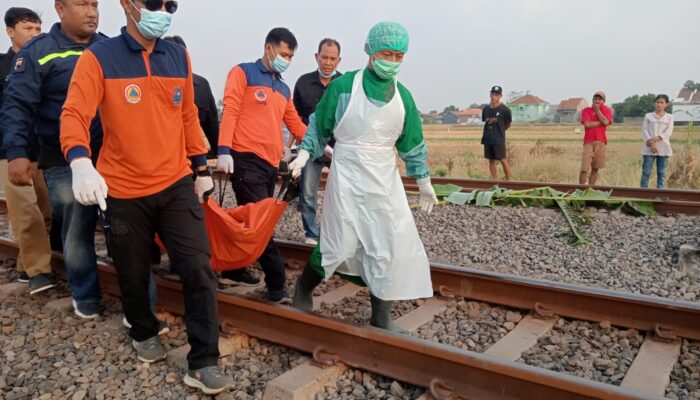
440 172
683 173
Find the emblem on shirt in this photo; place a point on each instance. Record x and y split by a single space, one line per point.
19 65
261 96
177 96
133 93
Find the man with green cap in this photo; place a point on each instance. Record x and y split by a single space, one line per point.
368 234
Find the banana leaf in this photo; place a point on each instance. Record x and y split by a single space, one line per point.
571 204
444 191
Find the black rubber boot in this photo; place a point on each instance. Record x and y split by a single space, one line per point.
306 283
381 315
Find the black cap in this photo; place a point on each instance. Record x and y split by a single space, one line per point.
497 89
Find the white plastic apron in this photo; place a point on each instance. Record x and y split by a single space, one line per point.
367 228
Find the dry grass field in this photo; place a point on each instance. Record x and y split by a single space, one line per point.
552 153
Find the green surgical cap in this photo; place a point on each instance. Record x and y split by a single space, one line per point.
387 36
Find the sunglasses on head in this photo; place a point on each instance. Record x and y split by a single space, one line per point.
156 5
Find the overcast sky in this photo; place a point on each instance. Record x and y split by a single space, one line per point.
459 48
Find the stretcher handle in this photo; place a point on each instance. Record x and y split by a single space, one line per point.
222 187
286 180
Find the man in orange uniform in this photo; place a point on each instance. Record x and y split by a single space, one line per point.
256 103
142 87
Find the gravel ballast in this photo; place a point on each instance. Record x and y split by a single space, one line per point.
685 377
586 350
630 253
69 358
470 325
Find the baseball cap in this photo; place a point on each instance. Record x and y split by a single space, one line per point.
497 89
600 93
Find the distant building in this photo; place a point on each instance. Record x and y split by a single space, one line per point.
686 107
529 108
469 116
431 118
450 118
569 111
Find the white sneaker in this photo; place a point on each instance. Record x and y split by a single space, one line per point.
311 241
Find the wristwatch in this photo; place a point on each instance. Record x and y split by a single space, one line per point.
204 172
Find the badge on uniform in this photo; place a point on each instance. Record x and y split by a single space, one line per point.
19 65
177 96
133 93
261 96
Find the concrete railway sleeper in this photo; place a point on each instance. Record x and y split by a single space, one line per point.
446 370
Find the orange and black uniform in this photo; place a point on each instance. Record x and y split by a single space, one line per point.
151 137
256 103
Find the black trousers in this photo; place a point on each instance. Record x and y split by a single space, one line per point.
253 180
177 217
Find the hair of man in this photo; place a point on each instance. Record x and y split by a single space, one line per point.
279 35
15 15
328 42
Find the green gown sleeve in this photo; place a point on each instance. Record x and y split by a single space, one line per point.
411 145
322 123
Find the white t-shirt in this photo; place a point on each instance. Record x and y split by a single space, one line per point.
655 126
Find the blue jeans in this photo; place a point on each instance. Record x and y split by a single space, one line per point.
77 235
310 178
648 164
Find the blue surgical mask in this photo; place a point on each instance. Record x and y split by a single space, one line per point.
153 24
386 69
324 76
279 64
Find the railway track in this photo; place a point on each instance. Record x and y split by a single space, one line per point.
665 200
450 372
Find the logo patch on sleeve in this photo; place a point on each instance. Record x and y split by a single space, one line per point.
20 65
177 96
133 93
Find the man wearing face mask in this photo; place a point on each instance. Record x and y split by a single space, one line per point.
143 88
36 91
307 93
368 234
256 103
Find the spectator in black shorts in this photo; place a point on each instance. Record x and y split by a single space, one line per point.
497 119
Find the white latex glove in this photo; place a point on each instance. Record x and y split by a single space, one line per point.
89 188
202 185
427 194
298 164
224 163
328 151
287 154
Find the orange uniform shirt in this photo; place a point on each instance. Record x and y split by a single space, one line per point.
146 103
256 103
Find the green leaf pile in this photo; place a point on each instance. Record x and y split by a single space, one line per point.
570 204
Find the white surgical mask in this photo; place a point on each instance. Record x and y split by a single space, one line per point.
153 24
323 75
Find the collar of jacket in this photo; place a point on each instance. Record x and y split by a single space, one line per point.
136 46
64 42
264 70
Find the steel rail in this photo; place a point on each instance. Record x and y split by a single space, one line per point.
692 196
665 200
628 310
445 370
635 311
682 195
